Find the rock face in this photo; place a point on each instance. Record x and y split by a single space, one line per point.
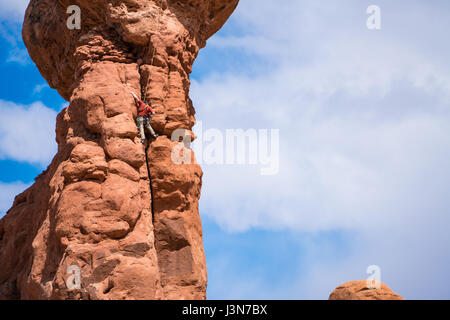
358 290
92 208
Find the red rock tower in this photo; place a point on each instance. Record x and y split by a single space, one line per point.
92 208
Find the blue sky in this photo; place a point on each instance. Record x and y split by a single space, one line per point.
364 120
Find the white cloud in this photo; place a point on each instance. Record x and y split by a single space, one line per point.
27 133
356 150
13 10
365 135
368 112
8 191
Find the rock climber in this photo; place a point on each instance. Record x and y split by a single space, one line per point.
144 110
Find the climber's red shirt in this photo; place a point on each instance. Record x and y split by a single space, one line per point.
144 109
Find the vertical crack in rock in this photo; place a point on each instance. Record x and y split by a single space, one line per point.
92 207
152 209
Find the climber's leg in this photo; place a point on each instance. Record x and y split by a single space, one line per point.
152 131
140 122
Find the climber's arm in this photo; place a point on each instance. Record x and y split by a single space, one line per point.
151 110
136 99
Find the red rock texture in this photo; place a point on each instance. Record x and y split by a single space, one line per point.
358 290
93 206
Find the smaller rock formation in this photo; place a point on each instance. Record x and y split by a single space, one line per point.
358 290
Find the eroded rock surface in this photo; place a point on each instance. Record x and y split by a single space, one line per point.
358 290
92 207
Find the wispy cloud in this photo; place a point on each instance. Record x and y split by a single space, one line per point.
10 31
39 87
13 11
19 56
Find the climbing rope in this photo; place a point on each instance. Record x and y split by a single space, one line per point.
143 94
150 183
